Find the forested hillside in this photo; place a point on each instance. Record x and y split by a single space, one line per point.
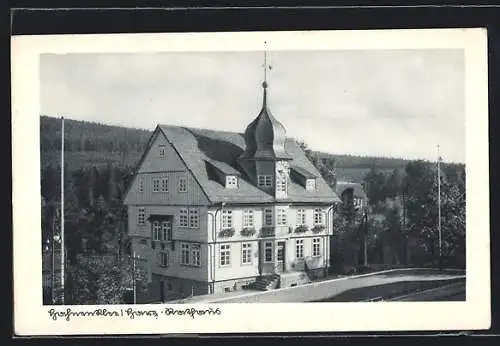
91 144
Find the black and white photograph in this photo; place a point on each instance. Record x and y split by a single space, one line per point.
269 174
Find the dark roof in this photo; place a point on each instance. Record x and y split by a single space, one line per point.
358 190
224 167
303 172
199 146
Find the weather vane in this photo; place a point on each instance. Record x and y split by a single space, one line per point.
266 65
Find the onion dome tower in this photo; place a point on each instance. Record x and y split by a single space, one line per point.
265 157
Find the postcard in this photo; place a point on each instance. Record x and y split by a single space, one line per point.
251 182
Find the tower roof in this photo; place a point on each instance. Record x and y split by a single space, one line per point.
265 136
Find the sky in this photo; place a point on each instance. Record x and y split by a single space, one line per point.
391 103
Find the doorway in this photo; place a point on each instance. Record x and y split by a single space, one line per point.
280 257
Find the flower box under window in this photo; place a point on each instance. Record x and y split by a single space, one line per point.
267 232
248 231
226 232
318 228
301 229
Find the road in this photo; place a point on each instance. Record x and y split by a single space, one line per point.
451 292
389 283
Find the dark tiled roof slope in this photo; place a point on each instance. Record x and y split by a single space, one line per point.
197 146
357 189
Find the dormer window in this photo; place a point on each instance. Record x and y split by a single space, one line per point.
310 184
264 181
161 151
231 182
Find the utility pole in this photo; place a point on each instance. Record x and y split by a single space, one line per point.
133 278
62 210
439 205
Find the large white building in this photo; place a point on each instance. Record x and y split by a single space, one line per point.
215 211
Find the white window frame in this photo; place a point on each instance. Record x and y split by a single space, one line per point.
185 253
182 186
164 184
265 180
227 219
140 185
299 248
156 184
156 228
268 212
281 182
141 216
224 255
281 216
161 151
318 216
231 182
166 230
195 251
164 259
248 218
246 253
316 247
301 217
268 245
311 184
183 218
194 218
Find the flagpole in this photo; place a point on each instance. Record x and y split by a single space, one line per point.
439 202
62 210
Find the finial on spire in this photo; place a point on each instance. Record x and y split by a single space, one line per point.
266 66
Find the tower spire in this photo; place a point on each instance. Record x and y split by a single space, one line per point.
264 84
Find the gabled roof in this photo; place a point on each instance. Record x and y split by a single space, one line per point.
222 149
358 189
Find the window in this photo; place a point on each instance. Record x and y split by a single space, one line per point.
194 218
281 182
183 218
161 151
163 259
301 217
141 216
316 247
227 219
196 255
185 254
264 181
299 248
268 251
231 182
164 184
310 184
246 253
318 216
247 218
268 217
182 185
166 230
156 185
156 231
140 185
225 255
191 254
281 216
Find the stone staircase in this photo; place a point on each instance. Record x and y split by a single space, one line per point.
267 282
